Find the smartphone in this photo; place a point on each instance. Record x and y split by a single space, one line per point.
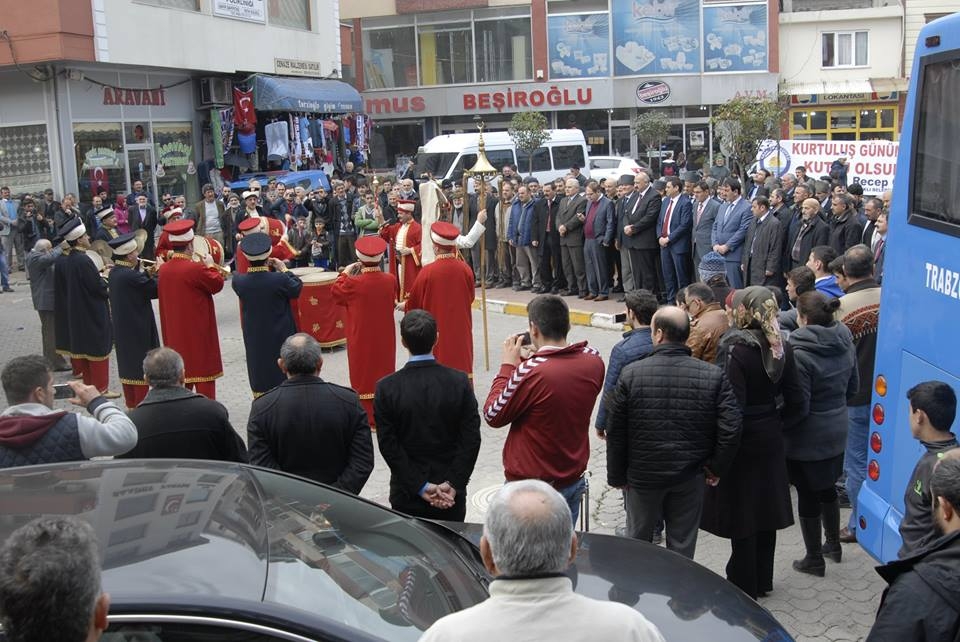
62 391
524 338
620 318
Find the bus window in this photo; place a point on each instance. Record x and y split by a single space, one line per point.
541 161
935 192
434 163
566 156
500 157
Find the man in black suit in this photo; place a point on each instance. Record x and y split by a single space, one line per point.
627 201
428 428
143 215
551 263
762 247
570 217
308 426
704 213
810 232
674 227
640 228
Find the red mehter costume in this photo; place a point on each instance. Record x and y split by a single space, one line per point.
371 331
445 290
187 317
405 267
280 247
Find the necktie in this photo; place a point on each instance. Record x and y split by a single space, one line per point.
700 211
879 250
665 230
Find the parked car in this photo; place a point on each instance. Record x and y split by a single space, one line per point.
613 167
197 550
308 180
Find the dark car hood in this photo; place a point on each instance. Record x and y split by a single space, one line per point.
685 600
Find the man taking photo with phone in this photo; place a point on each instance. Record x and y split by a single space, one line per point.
33 432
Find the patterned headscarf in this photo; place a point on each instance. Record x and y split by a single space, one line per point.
755 318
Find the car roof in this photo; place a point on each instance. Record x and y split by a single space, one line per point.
458 142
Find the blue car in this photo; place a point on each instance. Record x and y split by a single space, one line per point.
309 180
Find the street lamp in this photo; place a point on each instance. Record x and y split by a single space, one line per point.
480 172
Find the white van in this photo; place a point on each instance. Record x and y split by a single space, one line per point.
448 155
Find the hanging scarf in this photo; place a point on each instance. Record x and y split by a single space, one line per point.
755 323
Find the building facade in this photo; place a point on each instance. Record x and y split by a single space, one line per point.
428 67
841 65
100 93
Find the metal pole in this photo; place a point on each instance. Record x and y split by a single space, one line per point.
482 207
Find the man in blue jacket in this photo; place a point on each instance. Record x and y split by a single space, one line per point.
599 227
675 226
730 230
520 233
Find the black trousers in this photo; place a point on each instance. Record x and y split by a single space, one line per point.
751 563
551 264
646 271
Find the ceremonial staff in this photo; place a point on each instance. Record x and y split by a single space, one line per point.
479 172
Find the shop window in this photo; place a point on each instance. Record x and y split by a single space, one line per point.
173 154
136 133
390 58
186 5
566 156
541 160
503 50
100 159
289 13
25 158
845 48
446 54
847 122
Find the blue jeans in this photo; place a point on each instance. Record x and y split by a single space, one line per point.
572 494
4 271
855 456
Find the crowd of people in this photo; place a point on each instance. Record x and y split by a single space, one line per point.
735 381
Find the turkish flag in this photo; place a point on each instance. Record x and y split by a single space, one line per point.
243 115
99 181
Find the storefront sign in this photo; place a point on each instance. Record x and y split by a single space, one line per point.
102 158
843 98
306 68
652 92
872 163
130 97
252 10
395 105
174 154
512 99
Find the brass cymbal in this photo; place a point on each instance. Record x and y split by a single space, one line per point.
104 250
141 237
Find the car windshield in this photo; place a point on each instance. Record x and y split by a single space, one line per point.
433 163
375 570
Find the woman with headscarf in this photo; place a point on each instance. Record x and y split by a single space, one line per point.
752 502
815 437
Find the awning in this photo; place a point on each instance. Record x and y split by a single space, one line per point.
867 86
315 95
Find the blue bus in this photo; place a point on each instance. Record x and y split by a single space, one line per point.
920 299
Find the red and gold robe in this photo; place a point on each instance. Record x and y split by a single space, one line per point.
445 290
371 331
281 248
187 317
404 267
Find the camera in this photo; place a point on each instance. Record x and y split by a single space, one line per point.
524 338
62 391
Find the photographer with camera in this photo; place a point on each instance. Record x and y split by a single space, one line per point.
547 397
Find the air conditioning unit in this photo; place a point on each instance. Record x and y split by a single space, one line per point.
215 91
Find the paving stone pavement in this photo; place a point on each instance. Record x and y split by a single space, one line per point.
838 607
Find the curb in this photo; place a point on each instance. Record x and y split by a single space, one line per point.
602 320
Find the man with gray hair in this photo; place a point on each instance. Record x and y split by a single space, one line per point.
50 583
308 426
175 422
39 262
528 542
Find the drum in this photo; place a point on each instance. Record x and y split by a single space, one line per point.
203 245
315 312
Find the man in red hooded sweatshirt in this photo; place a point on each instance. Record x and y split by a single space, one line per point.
32 432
